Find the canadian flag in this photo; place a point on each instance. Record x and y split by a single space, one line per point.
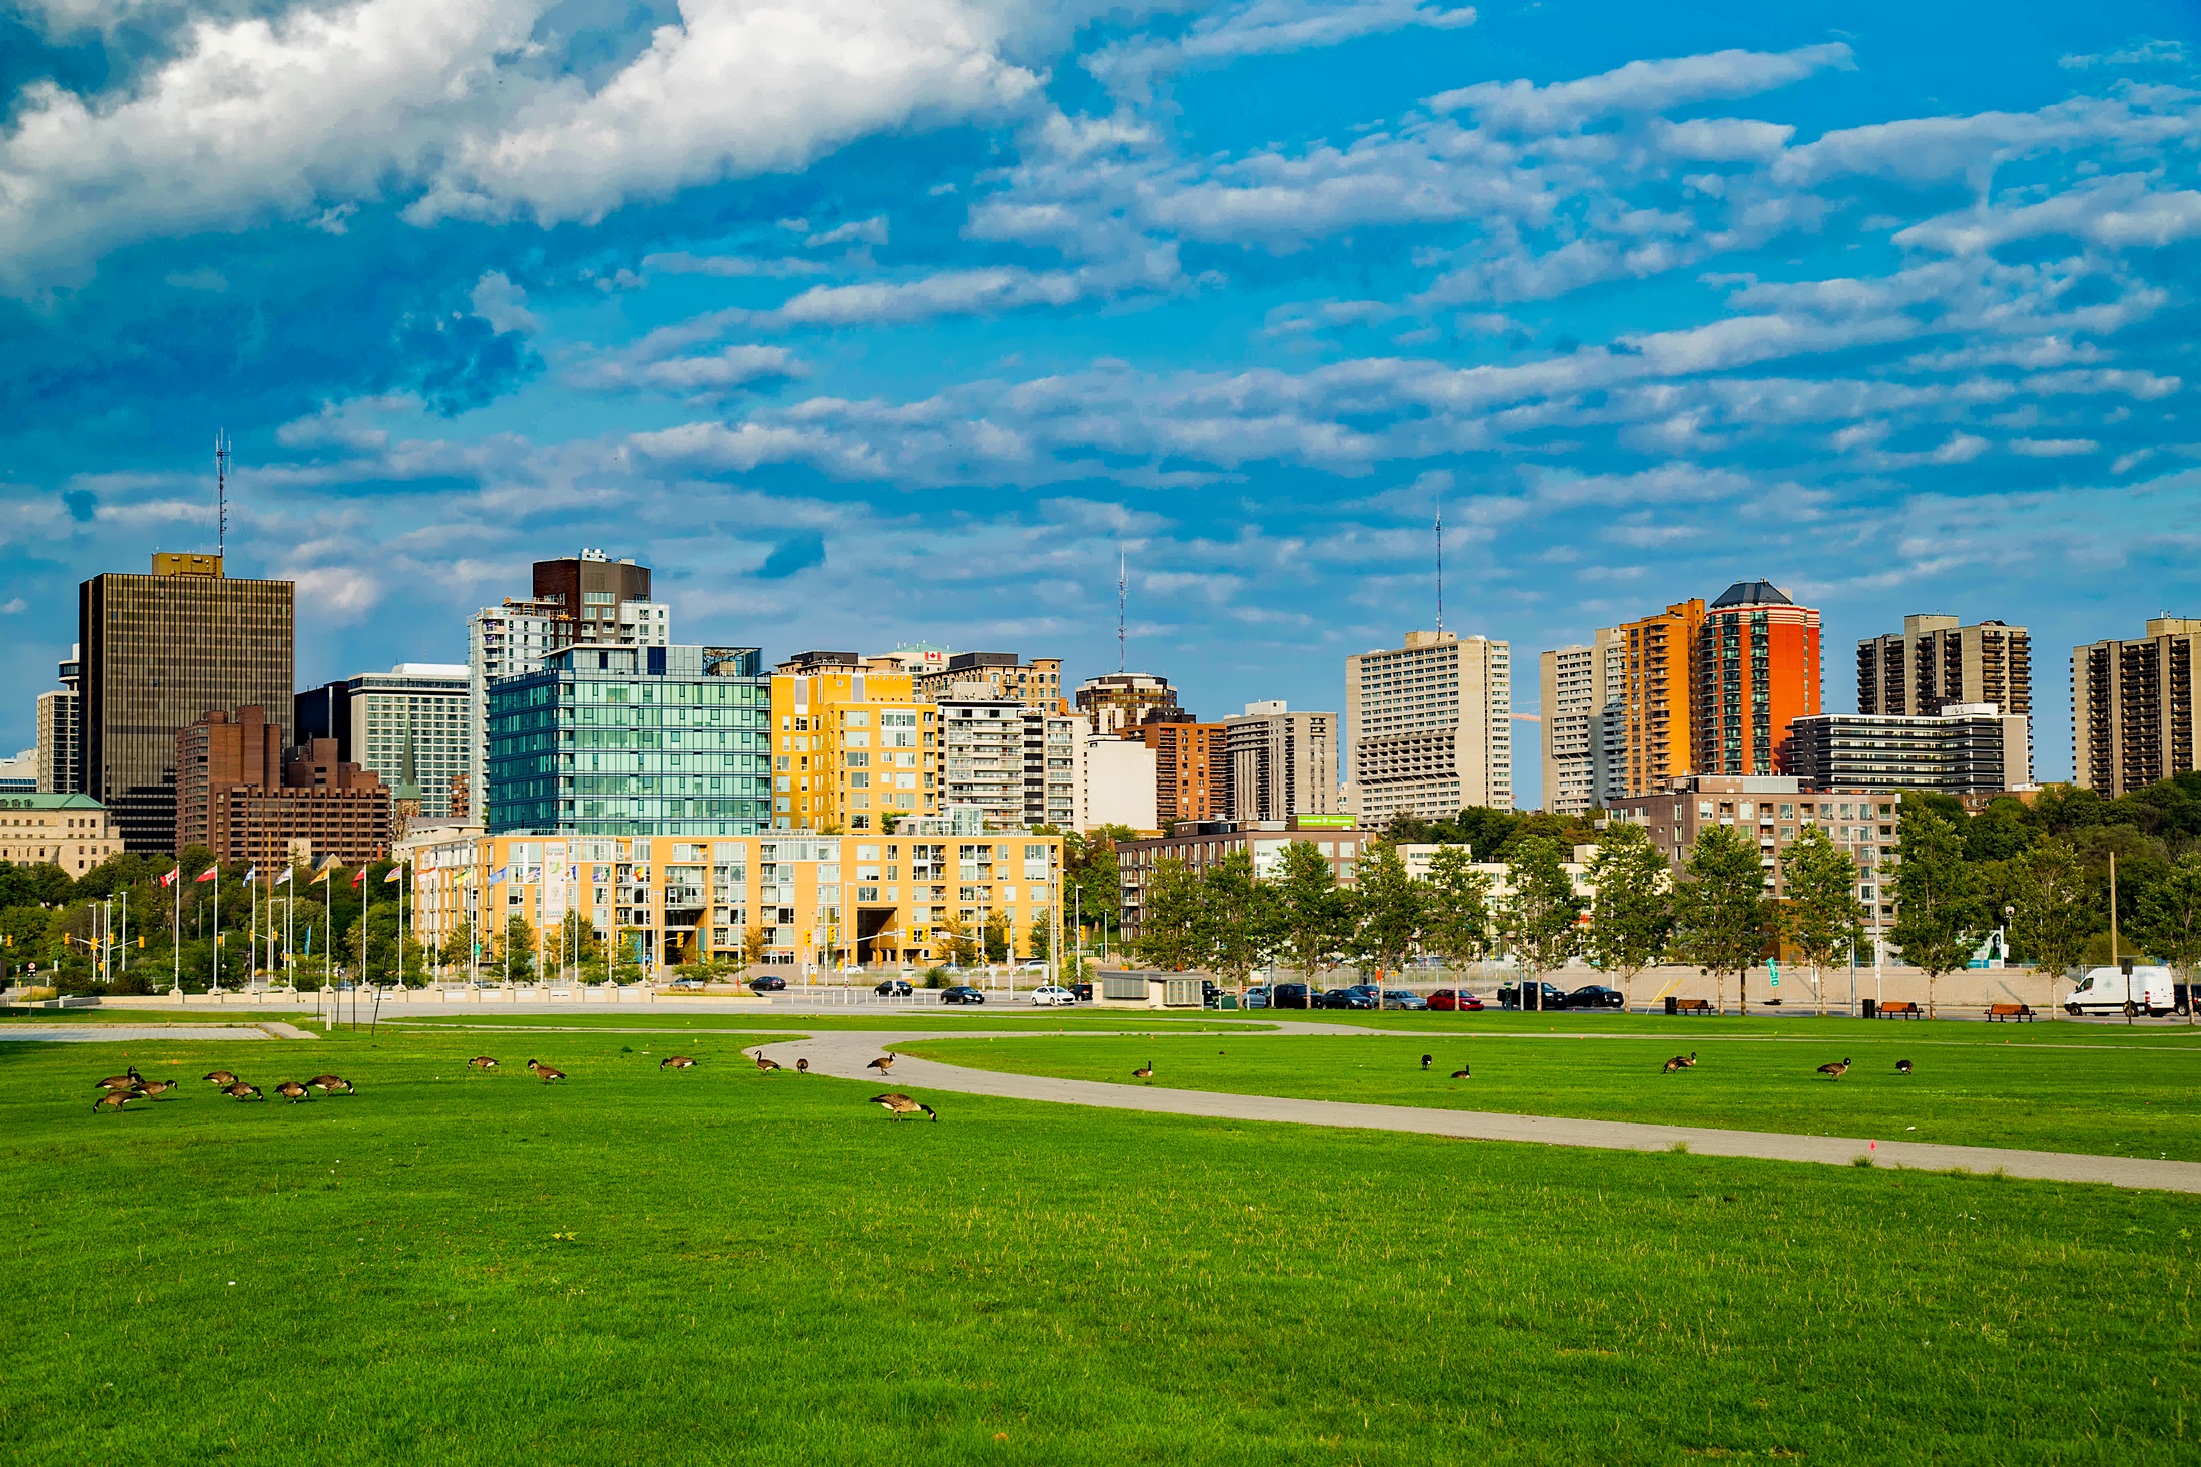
359 876
170 878
207 875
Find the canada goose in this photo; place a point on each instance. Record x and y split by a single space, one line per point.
128 1080
292 1091
220 1077
1682 1062
676 1062
330 1084
1462 1074
1144 1072
114 1100
882 1064
765 1064
1902 1067
151 1088
1836 1070
802 1067
544 1072
482 1062
902 1107
242 1091
1426 1060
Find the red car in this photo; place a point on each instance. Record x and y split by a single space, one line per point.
1456 1001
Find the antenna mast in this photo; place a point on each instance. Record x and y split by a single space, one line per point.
1440 562
221 492
1123 566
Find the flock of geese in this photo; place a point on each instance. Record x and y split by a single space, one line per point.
896 1104
117 1091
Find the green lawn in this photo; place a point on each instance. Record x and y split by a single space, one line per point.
932 1021
722 1266
2051 1088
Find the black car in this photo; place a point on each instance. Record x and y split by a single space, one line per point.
768 985
893 988
961 993
1291 996
1084 991
1596 996
1355 997
1543 996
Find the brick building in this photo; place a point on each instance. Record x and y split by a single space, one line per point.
242 797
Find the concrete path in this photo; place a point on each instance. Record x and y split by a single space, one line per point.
846 1054
129 1033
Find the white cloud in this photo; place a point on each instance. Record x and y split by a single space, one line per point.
703 375
2122 211
1638 87
2139 53
858 231
1266 27
2053 447
503 305
680 262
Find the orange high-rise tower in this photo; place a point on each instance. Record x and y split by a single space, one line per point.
1757 667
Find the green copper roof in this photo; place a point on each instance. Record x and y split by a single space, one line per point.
17 801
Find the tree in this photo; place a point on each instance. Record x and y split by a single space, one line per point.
1456 908
754 939
2051 917
1039 942
1312 913
1632 914
1390 902
519 947
1937 907
1537 917
458 946
957 944
1721 921
1092 878
994 934
1170 925
2170 921
1822 915
1235 917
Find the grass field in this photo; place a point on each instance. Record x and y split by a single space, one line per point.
726 1266
2087 1089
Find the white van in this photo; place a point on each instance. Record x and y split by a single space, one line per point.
2106 991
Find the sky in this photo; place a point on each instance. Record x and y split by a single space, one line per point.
868 322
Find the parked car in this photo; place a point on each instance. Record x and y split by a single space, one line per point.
1084 991
1399 998
893 988
683 985
768 985
2150 990
1346 998
961 993
1455 1000
1054 995
1596 996
1291 996
1255 998
1031 966
1543 996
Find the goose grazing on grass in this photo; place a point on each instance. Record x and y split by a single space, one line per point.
241 1091
330 1084
128 1080
292 1091
802 1067
1462 1074
1902 1067
677 1062
882 1064
1144 1072
545 1072
901 1106
766 1065
151 1088
114 1100
1682 1062
1836 1070
1427 1060
482 1062
220 1077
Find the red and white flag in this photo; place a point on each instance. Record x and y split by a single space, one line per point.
359 876
207 875
170 878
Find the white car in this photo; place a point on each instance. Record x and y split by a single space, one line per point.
1054 995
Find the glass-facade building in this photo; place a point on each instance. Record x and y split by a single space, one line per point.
612 741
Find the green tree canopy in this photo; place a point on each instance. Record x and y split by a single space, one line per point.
1537 917
1632 913
1171 932
1722 921
1456 920
1390 903
1236 919
1821 914
1938 911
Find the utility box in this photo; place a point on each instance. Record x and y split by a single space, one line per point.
1147 991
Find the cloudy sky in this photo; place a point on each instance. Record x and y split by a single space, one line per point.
877 320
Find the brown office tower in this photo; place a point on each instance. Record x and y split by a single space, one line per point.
2136 708
159 651
242 797
1192 769
1934 662
588 590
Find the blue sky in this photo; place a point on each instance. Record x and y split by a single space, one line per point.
869 322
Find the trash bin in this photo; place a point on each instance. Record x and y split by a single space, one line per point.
1871 1008
1227 1001
1673 1005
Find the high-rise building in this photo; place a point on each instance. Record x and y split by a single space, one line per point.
852 748
611 741
592 591
1935 661
1037 684
1281 763
1014 764
1582 701
1119 783
61 732
159 651
1757 668
1656 694
1430 727
408 725
19 773
1115 701
241 795
1192 769
1965 749
2134 717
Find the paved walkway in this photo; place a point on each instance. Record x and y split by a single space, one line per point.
847 1053
127 1033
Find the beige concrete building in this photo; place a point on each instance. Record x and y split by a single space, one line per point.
1115 701
1035 684
2134 717
1584 721
1430 727
1935 662
1282 763
72 831
1119 781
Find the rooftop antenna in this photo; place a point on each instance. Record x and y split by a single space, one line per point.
221 492
1123 566
1440 560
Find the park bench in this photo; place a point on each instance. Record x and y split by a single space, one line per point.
1692 1006
2010 1011
1903 1009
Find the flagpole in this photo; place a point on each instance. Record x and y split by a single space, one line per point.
217 926
175 945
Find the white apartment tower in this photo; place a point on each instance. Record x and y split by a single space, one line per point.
1430 727
1017 765
1584 733
60 739
1282 763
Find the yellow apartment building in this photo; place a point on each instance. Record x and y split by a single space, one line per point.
853 749
821 901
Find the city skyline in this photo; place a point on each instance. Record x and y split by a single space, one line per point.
1889 308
